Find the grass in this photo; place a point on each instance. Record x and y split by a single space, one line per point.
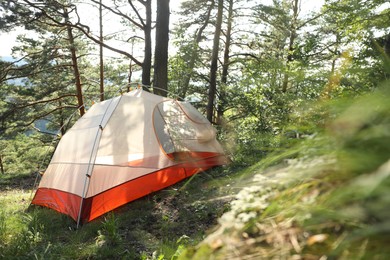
325 196
156 226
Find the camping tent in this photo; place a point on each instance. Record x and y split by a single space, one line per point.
125 148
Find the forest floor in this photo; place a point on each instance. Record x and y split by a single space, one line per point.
158 225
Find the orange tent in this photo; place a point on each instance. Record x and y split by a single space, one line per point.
125 148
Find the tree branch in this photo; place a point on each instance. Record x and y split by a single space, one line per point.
247 55
45 101
119 13
84 29
42 116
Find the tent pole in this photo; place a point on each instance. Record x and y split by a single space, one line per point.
89 171
92 159
82 200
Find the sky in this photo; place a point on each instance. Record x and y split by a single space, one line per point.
7 40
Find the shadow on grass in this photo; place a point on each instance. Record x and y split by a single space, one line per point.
159 224
17 181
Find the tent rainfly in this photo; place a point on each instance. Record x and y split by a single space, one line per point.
125 148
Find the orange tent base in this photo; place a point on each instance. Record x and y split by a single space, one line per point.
108 200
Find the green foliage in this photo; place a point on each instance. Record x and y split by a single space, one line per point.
327 195
109 235
24 154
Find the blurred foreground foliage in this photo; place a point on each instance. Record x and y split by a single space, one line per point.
325 196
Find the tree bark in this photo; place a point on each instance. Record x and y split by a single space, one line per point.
75 66
214 64
1 164
147 63
225 65
160 84
101 52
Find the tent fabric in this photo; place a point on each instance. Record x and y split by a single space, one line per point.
123 149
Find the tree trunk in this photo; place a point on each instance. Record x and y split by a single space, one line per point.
1 164
147 63
293 33
336 54
101 53
225 65
75 66
129 75
62 118
214 64
194 54
161 49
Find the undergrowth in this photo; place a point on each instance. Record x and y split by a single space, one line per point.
321 193
326 197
